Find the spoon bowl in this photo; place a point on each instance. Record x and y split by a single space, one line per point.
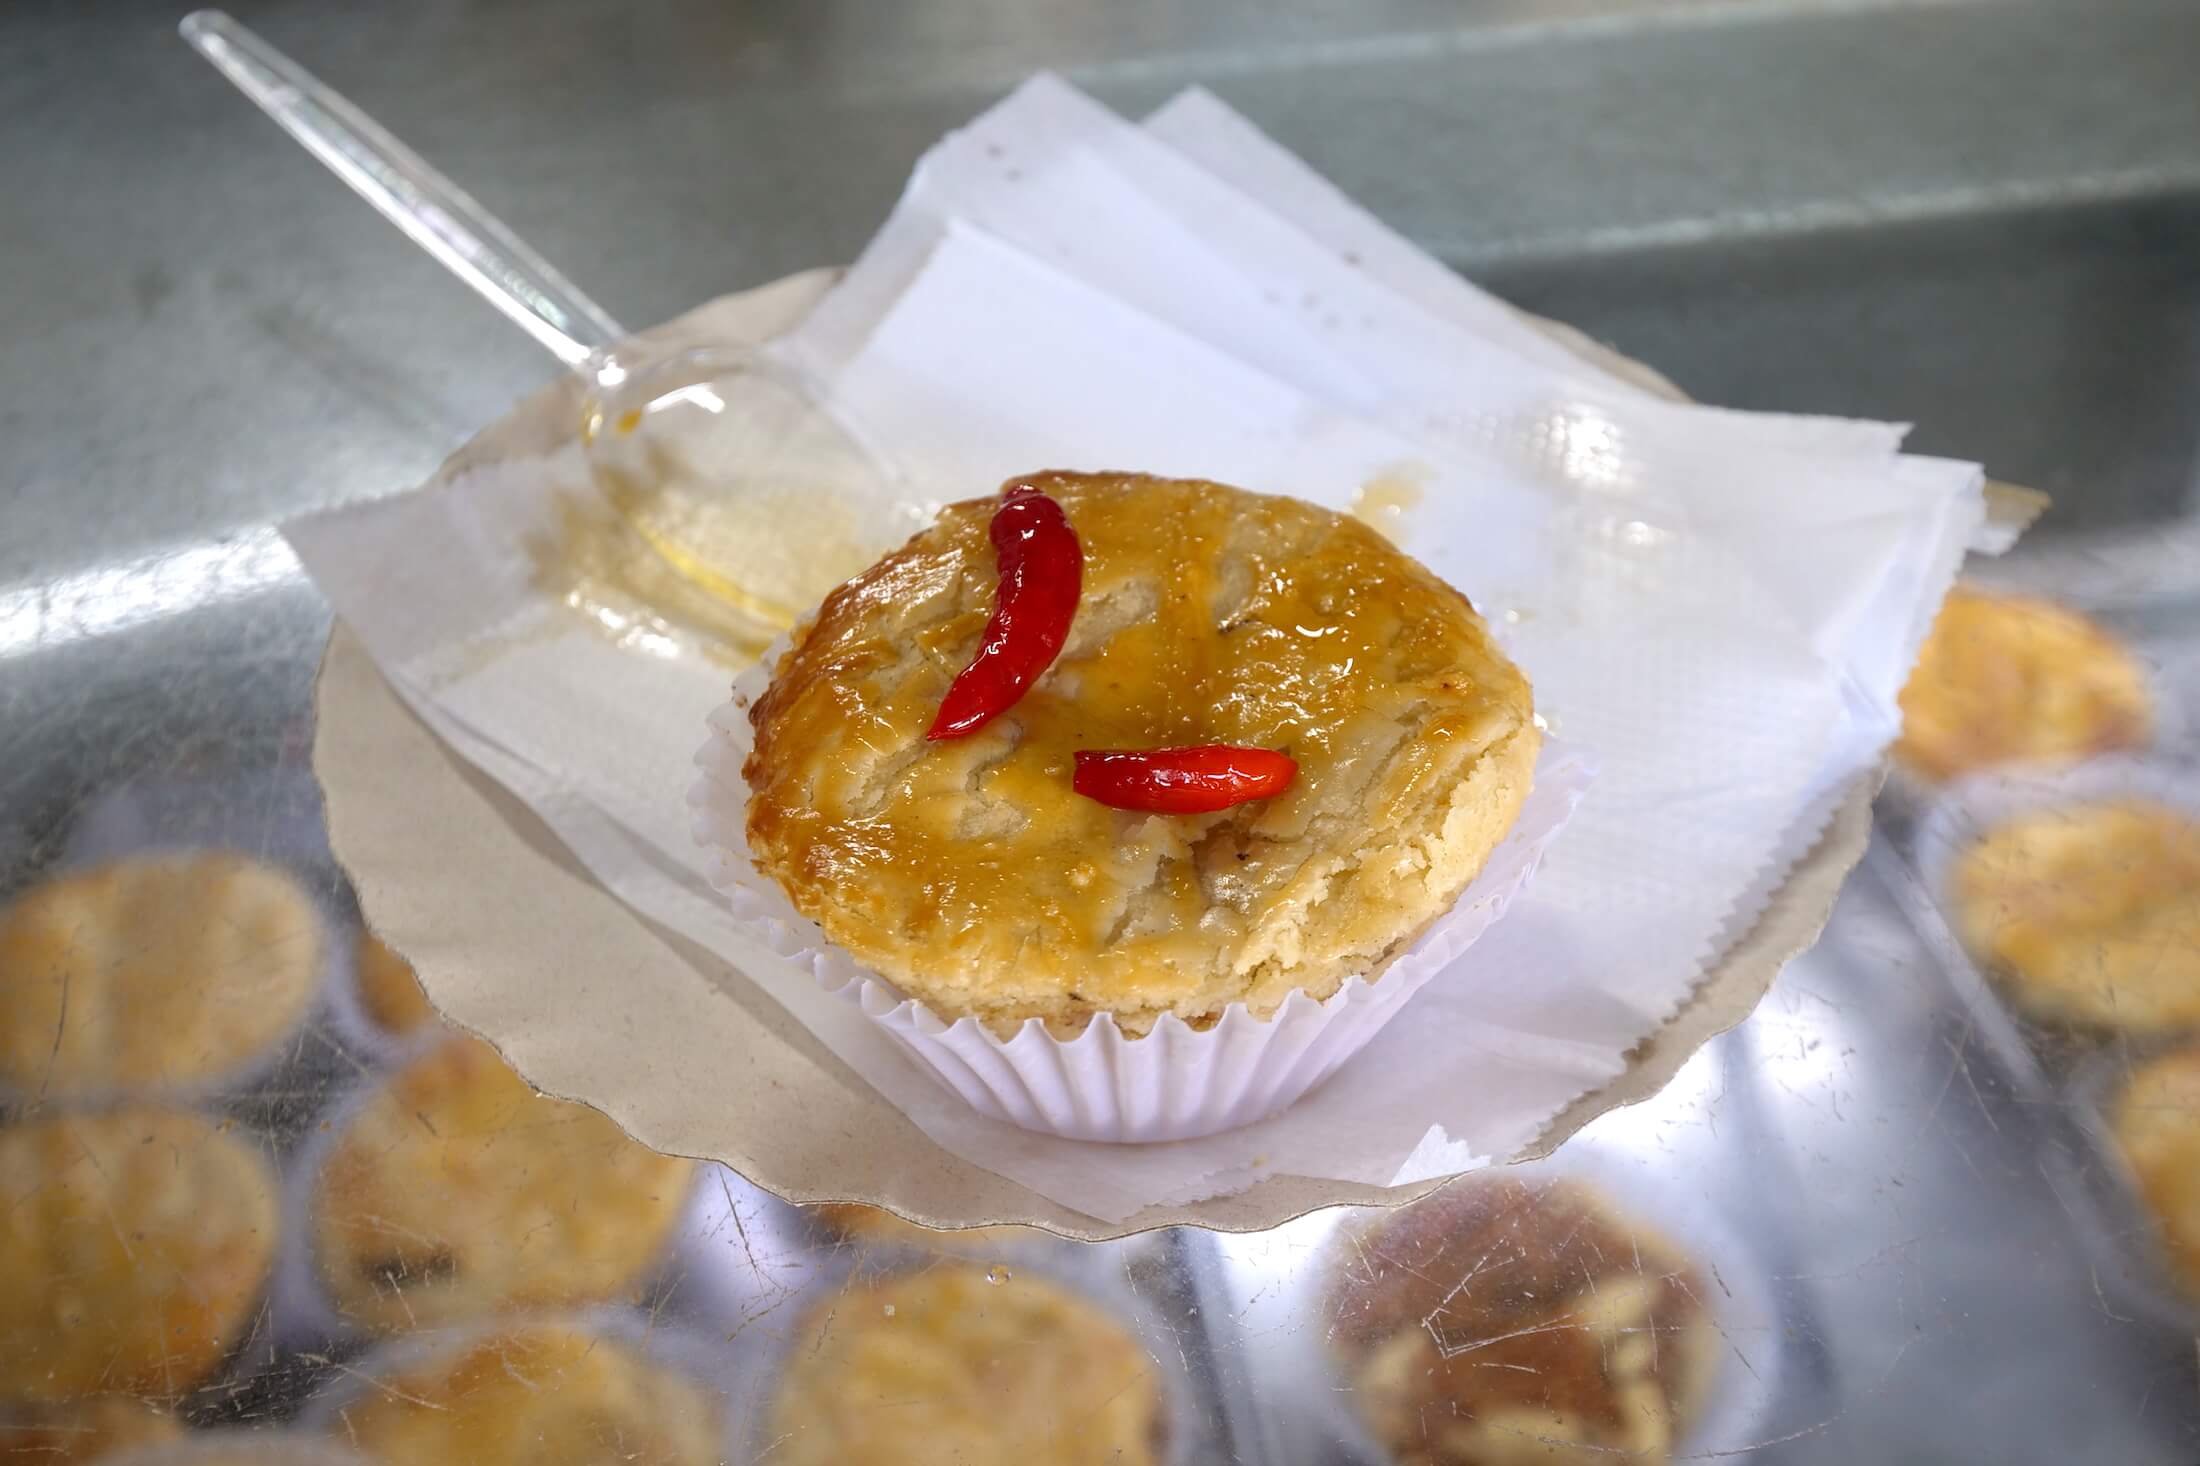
748 491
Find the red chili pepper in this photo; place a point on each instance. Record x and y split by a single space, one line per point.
1042 568
1195 780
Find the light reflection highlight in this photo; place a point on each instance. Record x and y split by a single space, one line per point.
108 599
1587 447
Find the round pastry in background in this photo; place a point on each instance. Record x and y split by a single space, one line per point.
390 990
73 1432
534 1395
153 971
135 1247
2011 679
875 1226
2088 914
1508 1319
455 1190
971 874
961 1365
2156 1122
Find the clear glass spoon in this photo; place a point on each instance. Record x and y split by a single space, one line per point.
752 492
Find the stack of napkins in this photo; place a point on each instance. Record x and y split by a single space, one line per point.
1721 607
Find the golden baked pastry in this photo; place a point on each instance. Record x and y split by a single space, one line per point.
2089 914
78 1431
389 989
536 1395
877 1226
2005 679
964 1366
970 874
134 1247
1509 1320
156 970
2156 1122
457 1190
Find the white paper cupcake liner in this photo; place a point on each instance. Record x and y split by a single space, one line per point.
1174 1083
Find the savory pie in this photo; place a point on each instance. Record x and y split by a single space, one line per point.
153 971
1508 1320
972 875
2088 914
456 1190
135 1247
961 1365
2009 679
536 1395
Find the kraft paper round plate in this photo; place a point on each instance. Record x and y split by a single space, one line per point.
515 940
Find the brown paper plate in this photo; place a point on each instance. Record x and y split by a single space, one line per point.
514 940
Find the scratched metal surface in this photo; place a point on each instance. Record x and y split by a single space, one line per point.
1981 216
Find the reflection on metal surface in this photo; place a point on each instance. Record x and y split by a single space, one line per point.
110 600
1688 1101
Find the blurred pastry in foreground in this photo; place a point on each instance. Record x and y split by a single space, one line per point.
456 1190
876 1226
1260 752
2011 679
2156 1122
78 1431
151 971
134 1249
1507 1320
535 1395
241 1446
390 990
2088 914
965 1366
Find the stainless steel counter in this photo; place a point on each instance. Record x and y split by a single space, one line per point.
1983 217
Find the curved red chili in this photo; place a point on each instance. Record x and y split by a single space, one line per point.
1197 780
1042 569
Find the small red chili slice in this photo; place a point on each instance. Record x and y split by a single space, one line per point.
1197 780
1042 568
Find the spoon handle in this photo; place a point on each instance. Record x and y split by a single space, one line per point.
434 212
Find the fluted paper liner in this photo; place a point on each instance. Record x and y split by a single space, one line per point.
1173 1083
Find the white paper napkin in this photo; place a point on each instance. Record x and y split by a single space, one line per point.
1719 606
1054 173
